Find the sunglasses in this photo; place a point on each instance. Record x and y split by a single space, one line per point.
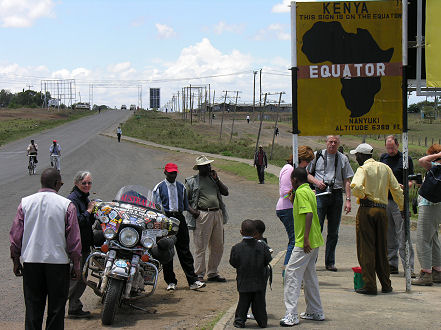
85 183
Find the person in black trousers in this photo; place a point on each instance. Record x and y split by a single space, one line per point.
261 163
250 258
173 197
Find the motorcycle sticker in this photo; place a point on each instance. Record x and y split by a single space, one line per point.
151 214
112 215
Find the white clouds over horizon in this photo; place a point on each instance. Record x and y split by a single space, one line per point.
283 7
23 13
165 31
275 30
222 27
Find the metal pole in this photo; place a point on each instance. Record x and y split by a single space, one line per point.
295 127
232 125
260 126
191 107
275 125
212 112
405 149
254 92
222 120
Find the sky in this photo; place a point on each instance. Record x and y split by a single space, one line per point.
112 47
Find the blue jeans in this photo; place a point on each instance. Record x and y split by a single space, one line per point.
287 218
330 206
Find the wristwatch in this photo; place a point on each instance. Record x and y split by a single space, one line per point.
348 198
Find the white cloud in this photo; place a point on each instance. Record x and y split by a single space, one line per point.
23 13
165 31
283 7
275 30
139 21
117 84
222 27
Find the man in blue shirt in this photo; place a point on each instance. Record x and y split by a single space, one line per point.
173 197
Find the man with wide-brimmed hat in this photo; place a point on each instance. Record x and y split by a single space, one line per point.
371 185
207 218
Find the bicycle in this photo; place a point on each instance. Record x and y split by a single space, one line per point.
32 165
55 161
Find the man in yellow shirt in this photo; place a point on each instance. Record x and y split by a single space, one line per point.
371 185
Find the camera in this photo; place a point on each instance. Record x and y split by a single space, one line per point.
327 190
418 178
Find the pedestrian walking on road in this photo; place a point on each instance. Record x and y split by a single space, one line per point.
251 259
260 162
395 226
330 173
172 195
119 133
301 265
45 234
371 185
248 119
80 198
429 219
204 192
284 204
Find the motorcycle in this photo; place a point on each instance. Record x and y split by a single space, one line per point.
137 238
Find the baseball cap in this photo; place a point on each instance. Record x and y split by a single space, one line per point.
171 167
54 141
363 148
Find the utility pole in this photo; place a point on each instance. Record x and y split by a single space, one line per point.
260 91
29 87
223 111
212 110
232 125
275 125
254 92
260 126
191 107
209 105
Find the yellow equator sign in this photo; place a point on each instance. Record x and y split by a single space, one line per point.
349 58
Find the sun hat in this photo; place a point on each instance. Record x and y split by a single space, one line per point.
363 148
171 167
202 160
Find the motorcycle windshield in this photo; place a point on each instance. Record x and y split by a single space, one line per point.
137 195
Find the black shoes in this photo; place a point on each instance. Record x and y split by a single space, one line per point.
216 278
386 290
80 314
365 291
331 268
238 325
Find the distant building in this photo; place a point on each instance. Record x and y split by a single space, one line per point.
53 103
155 101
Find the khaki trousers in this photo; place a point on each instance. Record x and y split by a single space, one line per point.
371 231
209 232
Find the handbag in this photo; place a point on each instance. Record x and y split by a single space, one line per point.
431 187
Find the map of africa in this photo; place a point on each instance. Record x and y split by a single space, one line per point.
328 41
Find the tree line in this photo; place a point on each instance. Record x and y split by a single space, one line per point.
23 99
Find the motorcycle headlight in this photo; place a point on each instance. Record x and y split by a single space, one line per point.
109 233
147 242
128 237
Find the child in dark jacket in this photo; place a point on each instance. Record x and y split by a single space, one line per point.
250 258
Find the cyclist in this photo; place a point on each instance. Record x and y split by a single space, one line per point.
32 150
55 153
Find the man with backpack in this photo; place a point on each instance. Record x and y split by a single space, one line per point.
331 173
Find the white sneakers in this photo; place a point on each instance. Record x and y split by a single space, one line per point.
197 285
312 316
171 287
289 320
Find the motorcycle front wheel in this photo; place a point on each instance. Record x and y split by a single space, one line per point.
111 300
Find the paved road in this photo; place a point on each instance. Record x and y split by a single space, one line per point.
71 137
113 165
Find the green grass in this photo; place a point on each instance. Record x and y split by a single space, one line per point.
212 323
162 129
243 170
15 129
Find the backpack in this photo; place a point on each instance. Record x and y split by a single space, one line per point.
431 187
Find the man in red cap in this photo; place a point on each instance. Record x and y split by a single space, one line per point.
173 197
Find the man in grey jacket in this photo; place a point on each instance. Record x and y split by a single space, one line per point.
206 218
